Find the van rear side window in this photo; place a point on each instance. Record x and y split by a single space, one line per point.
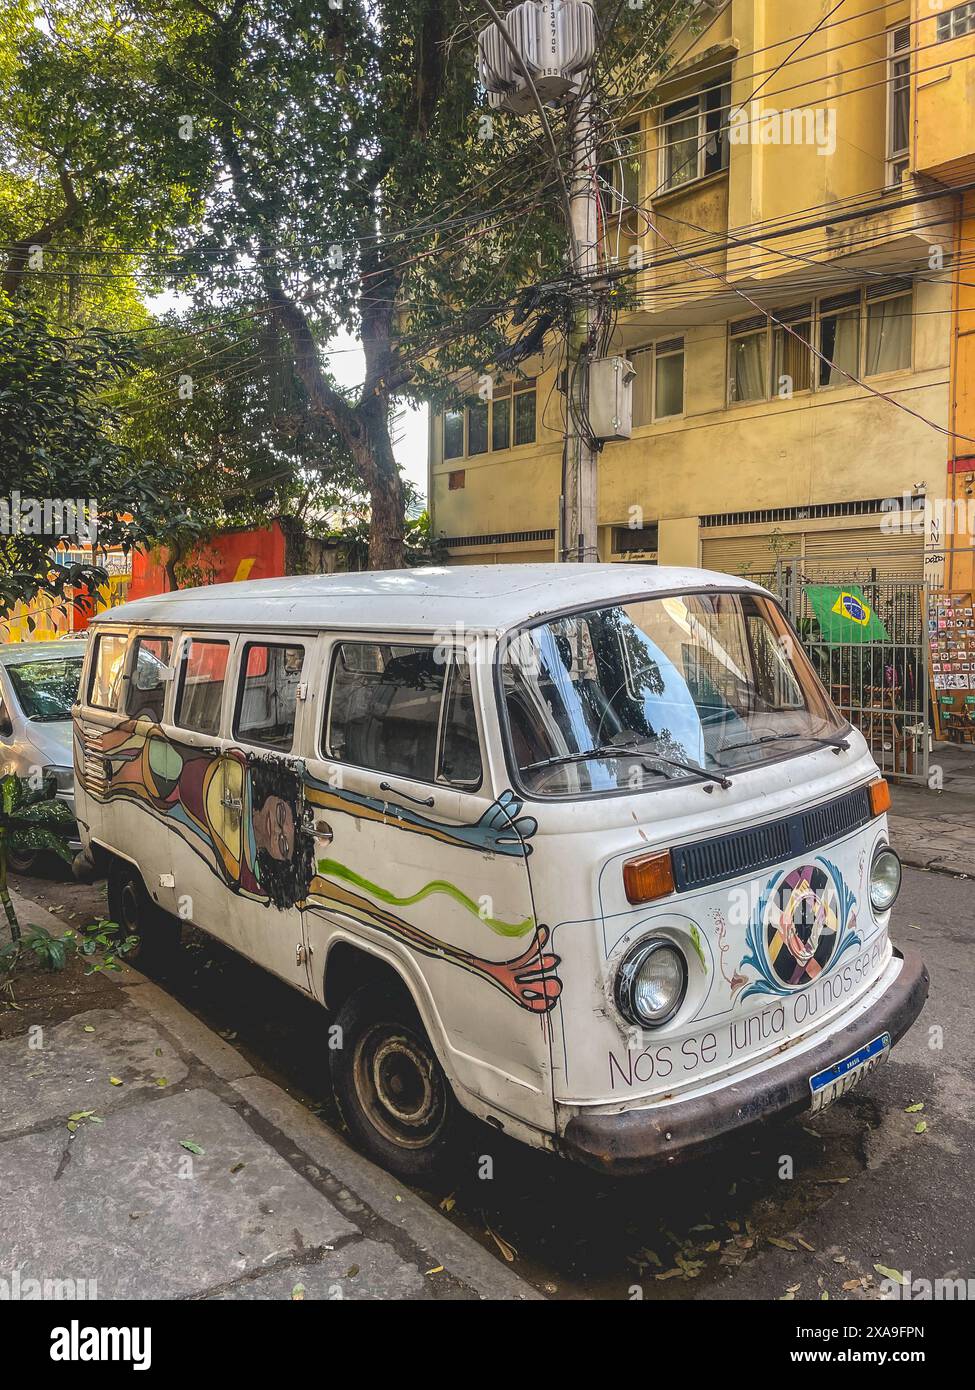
200 696
105 684
267 697
150 672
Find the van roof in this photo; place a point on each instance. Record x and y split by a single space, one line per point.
482 597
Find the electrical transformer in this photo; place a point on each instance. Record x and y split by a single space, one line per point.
556 39
611 397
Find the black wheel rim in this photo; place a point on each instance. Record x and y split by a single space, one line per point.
399 1085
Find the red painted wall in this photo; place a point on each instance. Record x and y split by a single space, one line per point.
257 554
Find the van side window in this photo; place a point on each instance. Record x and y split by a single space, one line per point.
147 688
460 752
201 686
105 683
267 695
385 710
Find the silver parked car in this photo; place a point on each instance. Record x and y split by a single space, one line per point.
38 686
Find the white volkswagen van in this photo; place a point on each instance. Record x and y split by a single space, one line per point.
583 850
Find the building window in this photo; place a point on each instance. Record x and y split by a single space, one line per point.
524 404
839 340
658 388
748 359
636 540
759 348
453 434
621 162
792 351
456 480
490 424
889 325
959 21
899 103
477 427
693 137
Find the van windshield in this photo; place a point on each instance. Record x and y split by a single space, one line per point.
630 696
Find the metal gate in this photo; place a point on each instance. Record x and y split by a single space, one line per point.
877 674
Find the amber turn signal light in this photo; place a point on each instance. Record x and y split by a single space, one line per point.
651 876
879 794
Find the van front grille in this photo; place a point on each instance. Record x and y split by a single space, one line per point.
760 846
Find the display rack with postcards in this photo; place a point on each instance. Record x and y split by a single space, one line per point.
951 637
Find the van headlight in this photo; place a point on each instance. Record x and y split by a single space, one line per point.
885 879
651 982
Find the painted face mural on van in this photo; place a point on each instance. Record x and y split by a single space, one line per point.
247 815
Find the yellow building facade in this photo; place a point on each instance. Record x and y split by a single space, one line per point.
790 207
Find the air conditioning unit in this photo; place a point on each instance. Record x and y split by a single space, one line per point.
556 40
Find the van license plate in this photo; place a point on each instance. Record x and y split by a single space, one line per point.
835 1081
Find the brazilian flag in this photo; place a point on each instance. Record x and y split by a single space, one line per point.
844 615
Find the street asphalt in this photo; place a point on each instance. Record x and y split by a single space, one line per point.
861 1187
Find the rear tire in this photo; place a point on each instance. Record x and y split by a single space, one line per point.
130 906
389 1087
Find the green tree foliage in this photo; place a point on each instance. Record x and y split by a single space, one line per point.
59 444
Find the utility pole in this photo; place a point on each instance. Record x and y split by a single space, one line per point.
527 60
579 519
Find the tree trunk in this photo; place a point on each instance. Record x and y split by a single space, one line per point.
381 473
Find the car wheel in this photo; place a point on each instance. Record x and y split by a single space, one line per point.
23 861
132 908
390 1088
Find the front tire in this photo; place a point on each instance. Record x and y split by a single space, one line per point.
130 906
390 1088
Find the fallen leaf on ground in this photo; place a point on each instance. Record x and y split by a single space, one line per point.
675 1273
894 1274
448 1203
437 1269
805 1244
913 1109
781 1244
115 1080
88 1028
298 1293
508 1251
191 1145
920 1127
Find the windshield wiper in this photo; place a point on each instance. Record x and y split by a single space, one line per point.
605 750
633 749
838 745
683 764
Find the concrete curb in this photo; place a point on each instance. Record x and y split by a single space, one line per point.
359 1180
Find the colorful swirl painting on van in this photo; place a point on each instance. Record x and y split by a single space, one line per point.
245 814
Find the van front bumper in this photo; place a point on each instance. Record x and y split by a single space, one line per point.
637 1141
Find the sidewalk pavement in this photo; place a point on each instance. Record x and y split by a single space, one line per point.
188 1176
936 829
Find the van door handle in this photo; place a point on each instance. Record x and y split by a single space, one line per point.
417 801
233 803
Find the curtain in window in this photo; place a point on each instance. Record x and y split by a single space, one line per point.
682 140
749 368
889 335
839 341
792 358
